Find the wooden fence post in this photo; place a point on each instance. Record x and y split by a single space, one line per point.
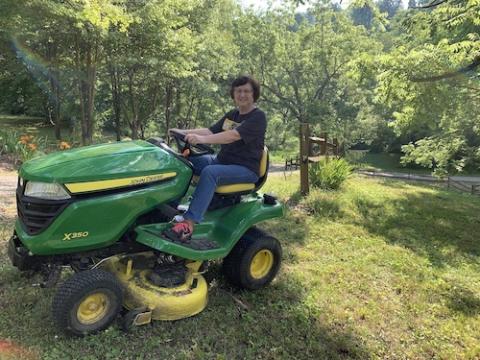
304 149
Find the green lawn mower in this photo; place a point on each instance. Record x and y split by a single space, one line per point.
102 211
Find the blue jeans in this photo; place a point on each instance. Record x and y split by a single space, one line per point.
212 174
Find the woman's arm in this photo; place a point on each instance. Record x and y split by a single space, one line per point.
224 137
199 131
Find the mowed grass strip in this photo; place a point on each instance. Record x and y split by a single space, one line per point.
379 269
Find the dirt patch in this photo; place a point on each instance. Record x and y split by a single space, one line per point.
8 165
8 184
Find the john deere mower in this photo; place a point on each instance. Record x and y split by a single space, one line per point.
102 211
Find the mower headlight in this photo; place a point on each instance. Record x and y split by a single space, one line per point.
47 191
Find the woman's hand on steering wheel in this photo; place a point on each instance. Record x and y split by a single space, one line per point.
194 139
190 141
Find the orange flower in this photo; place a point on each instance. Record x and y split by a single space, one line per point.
64 145
24 139
32 147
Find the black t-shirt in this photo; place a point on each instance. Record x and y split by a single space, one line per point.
248 150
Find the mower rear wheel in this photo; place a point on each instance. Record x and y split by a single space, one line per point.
254 261
87 302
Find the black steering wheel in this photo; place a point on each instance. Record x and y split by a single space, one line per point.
187 149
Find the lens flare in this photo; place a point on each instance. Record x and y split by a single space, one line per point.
11 351
39 68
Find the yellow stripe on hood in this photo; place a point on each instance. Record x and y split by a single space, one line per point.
82 187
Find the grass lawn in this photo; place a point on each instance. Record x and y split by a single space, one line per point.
279 156
27 125
391 162
386 162
37 127
381 269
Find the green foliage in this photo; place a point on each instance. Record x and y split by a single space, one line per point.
433 103
443 156
329 174
22 147
8 142
371 73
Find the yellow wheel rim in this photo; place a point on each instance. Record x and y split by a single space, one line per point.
93 308
261 264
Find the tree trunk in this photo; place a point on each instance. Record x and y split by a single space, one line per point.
116 100
169 92
54 95
86 58
134 106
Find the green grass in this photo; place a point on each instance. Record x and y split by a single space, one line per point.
379 270
27 125
391 162
37 127
279 156
386 162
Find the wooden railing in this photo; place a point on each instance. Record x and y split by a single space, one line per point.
292 164
473 189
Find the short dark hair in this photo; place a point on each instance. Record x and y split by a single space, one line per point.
245 79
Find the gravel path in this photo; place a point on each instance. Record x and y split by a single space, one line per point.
429 178
8 184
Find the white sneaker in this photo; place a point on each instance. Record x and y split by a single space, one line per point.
182 207
178 218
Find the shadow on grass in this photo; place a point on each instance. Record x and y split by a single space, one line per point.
439 225
272 323
464 301
407 184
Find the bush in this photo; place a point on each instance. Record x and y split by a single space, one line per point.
8 142
329 174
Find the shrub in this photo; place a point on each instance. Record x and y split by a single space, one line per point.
8 141
329 174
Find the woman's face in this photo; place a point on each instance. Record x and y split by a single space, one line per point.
243 95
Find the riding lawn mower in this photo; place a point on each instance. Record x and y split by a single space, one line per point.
103 210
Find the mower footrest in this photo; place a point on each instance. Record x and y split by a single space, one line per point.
194 244
201 244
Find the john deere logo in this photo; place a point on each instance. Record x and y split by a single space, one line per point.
75 235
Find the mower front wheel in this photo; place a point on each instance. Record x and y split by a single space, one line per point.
87 302
254 261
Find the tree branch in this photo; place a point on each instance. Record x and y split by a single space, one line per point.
286 101
448 75
432 4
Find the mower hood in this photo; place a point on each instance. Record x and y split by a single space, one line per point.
103 162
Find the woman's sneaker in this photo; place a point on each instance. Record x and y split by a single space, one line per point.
181 231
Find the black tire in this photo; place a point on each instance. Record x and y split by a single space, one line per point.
87 302
239 266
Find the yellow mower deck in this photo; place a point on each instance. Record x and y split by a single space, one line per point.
175 303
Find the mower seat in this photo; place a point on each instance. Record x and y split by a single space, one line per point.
245 188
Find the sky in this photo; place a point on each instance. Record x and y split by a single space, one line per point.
261 4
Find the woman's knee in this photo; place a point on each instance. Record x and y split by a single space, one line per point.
211 172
